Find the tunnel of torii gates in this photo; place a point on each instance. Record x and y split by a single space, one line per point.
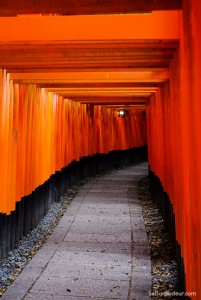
64 76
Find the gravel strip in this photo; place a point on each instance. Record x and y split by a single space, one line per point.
14 263
164 266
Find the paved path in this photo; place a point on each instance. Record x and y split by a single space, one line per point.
99 250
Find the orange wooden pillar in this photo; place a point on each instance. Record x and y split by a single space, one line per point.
176 148
3 144
190 94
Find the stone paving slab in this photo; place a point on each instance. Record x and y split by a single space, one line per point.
107 199
99 249
116 192
21 285
140 285
88 271
85 246
119 206
99 238
36 296
42 257
95 228
111 289
115 188
66 222
103 210
106 218
93 258
58 235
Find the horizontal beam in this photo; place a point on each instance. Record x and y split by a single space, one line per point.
119 103
65 55
114 104
115 98
56 69
122 106
45 58
109 101
157 25
86 7
139 75
152 63
104 94
110 85
126 107
102 90
83 94
84 45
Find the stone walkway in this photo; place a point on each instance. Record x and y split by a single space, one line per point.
99 250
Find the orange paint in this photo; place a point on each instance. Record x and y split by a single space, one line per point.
41 133
174 123
157 25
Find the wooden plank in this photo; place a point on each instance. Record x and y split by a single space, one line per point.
63 70
82 57
77 97
153 62
126 107
108 102
85 7
125 76
157 25
75 67
115 94
97 99
42 62
32 57
79 45
103 90
44 57
137 84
